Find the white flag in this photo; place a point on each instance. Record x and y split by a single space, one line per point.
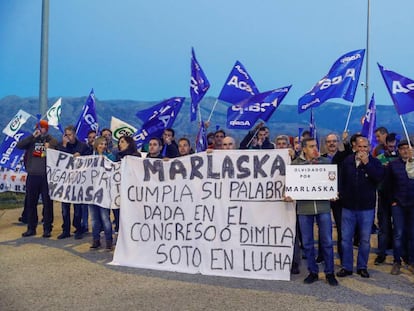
16 123
53 114
120 128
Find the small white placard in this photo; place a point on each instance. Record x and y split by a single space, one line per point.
312 182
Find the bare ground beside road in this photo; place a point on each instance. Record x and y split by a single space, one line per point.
51 274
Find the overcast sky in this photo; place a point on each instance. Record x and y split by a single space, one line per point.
135 49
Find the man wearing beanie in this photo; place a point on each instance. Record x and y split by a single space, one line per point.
36 182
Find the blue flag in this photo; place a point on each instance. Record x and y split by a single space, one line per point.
370 122
245 114
162 117
401 90
198 85
239 85
201 139
10 155
340 82
88 120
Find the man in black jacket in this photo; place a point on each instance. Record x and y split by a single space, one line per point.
361 173
70 144
402 207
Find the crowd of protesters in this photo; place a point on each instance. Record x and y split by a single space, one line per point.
372 181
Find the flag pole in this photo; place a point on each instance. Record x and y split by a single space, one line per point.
349 116
199 112
405 131
212 110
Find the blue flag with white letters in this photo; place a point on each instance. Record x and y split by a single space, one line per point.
10 154
198 85
239 85
88 119
201 139
370 123
401 90
162 117
340 82
260 106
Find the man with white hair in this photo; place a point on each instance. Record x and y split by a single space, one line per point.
229 143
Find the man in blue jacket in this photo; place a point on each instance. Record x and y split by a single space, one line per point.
361 173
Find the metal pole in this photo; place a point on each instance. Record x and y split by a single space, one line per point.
44 46
367 62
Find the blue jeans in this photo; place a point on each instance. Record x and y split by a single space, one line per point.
324 222
100 218
85 218
403 221
77 216
363 219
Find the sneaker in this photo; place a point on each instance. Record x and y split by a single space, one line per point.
363 273
108 245
295 268
396 268
47 234
379 260
312 277
63 235
330 278
29 232
411 268
343 273
319 259
95 244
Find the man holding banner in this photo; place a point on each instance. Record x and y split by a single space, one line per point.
36 182
71 144
320 210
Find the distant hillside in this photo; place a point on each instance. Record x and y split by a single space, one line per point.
330 117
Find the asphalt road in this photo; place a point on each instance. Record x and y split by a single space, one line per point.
51 274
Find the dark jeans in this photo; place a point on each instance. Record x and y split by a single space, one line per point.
384 224
116 218
37 185
403 221
325 233
77 216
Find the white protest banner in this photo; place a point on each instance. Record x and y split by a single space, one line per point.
85 179
13 181
312 182
16 123
219 213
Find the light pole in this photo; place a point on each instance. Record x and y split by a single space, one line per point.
44 46
367 61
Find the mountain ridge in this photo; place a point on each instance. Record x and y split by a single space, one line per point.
329 117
